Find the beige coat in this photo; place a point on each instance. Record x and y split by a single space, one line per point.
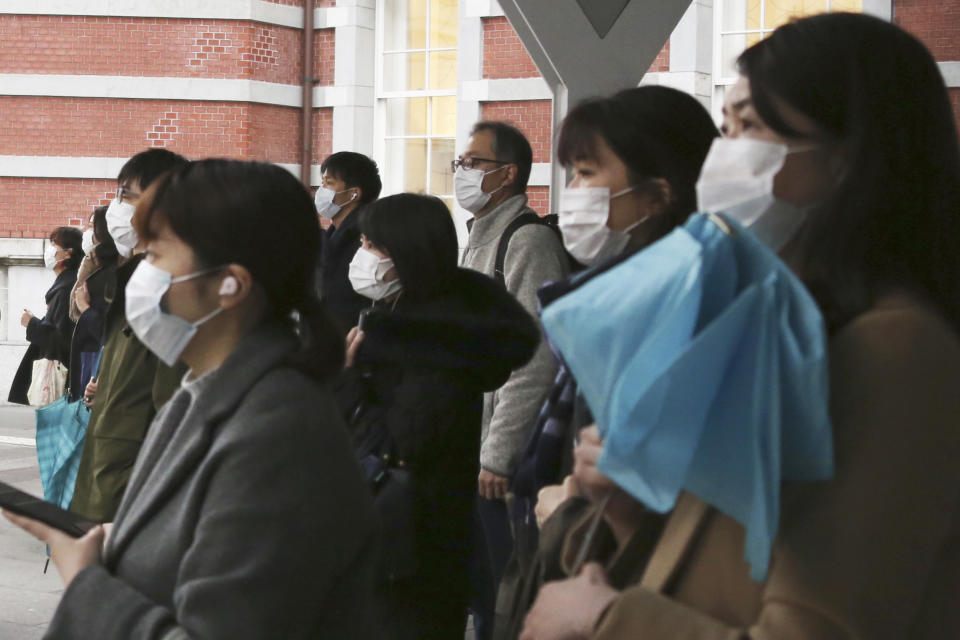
875 552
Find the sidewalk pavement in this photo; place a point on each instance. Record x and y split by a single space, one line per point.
28 597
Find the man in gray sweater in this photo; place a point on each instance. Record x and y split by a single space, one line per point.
490 182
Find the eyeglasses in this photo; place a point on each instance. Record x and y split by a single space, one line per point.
471 162
126 194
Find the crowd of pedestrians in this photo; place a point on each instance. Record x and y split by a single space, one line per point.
318 417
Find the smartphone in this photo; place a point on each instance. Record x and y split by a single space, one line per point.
363 319
24 504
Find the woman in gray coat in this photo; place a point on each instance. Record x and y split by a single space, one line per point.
245 516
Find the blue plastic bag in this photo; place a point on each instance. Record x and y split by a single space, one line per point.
703 360
61 429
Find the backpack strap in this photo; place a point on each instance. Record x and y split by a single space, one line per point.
520 221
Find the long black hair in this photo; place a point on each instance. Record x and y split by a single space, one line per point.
417 232
657 132
106 250
259 216
893 219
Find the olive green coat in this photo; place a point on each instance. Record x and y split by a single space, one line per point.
132 385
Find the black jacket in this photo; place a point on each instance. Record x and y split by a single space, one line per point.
338 245
88 334
420 375
49 337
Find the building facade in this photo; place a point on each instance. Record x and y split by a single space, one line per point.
85 84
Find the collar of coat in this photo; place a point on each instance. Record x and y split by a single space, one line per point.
491 226
65 280
470 325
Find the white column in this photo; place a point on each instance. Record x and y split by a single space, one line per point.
691 54
354 22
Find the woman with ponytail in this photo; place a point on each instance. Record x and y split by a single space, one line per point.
246 515
435 339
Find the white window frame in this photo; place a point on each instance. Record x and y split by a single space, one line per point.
381 96
721 82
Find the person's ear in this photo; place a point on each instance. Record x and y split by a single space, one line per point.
357 194
510 175
657 194
235 286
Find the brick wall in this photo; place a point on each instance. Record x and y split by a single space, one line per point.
118 128
324 58
935 22
322 134
32 207
504 56
532 117
662 61
149 47
539 199
937 25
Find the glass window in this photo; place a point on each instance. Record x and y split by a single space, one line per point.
743 23
416 95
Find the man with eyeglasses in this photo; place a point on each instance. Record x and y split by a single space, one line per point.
132 384
490 181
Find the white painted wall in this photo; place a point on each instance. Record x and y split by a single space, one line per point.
21 287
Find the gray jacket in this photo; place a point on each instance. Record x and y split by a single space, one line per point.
245 517
534 256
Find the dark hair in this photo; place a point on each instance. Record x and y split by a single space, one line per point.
106 250
147 166
417 232
657 132
894 217
509 145
259 216
69 238
356 170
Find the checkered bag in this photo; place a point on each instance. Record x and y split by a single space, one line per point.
61 429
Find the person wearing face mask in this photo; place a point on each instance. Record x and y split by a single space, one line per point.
350 181
634 159
248 465
436 338
490 181
864 211
89 301
131 384
49 336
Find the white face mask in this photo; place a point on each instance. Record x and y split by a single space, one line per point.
163 333
467 185
737 179
324 201
366 275
50 256
120 227
88 244
583 224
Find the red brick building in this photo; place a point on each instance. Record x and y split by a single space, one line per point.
85 84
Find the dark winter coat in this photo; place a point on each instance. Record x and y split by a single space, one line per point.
338 245
49 336
88 333
420 375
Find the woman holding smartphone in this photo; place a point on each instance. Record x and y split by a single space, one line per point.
246 515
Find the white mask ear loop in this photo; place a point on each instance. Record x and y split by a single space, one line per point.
636 224
493 171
